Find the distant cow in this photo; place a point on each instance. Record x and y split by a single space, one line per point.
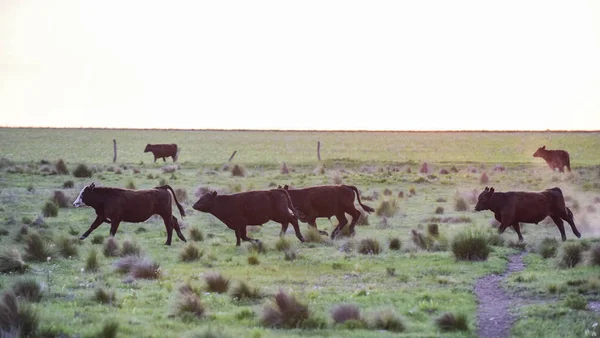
116 205
555 158
512 207
162 150
257 207
327 201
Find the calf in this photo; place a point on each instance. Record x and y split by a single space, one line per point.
115 205
257 207
512 207
556 159
327 201
163 150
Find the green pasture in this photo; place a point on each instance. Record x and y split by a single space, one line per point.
416 284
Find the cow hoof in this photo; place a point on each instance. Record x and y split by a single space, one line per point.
578 235
82 237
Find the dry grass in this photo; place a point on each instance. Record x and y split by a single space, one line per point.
111 247
484 179
189 302
450 322
146 269
284 312
395 244
28 288
196 234
387 320
369 246
130 248
60 199
238 171
181 194
190 253
284 169
67 246
11 260
459 203
91 262
61 167
215 282
344 312
241 291
17 320
104 296
36 249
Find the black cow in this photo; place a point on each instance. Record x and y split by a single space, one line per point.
556 159
163 150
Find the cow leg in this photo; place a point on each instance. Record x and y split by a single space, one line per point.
114 225
342 221
175 224
284 226
164 160
355 216
238 236
93 227
245 237
569 218
169 227
314 225
517 228
561 227
294 222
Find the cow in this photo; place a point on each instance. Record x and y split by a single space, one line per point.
326 201
256 207
556 159
512 207
163 150
116 205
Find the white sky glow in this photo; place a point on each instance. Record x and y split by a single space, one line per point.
318 65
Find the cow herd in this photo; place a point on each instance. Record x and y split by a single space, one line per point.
287 205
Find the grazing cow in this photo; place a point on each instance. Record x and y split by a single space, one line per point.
257 207
116 205
512 207
163 150
555 158
327 201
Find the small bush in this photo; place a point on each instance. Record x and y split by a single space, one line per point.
433 230
412 191
67 246
285 312
439 210
17 319
387 320
395 244
424 168
188 302
104 296
547 247
570 255
196 234
97 239
109 330
387 208
130 185
82 171
484 179
575 301
369 246
282 244
344 312
190 253
130 249
68 184
450 322
50 209
36 249
146 269
253 259
60 199
238 170
215 282
111 247
460 204
470 245
126 264
91 261
28 289
11 260
595 255
242 291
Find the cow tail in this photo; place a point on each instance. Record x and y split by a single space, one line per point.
569 213
181 211
365 207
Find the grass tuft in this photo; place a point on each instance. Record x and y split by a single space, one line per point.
104 296
387 208
17 320
460 204
28 288
433 230
283 244
594 259
146 269
130 248
313 235
369 246
181 194
575 301
36 249
241 291
190 253
387 320
126 264
11 260
439 210
471 245
284 169
547 247
570 255
82 171
189 302
130 185
61 167
344 312
420 240
111 247
196 234
60 199
97 239
215 282
109 329
50 209
238 170
91 261
395 244
67 246
284 312
484 178
253 259
450 322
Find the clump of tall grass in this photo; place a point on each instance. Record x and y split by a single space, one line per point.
215 282
91 261
433 230
82 170
190 253
98 239
547 247
109 329
146 269
369 246
284 169
50 209
60 199
67 246
570 255
336 177
395 244
594 259
484 178
189 302
471 245
241 291
451 322
11 260
104 296
345 312
387 320
196 234
285 312
36 249
61 167
238 170
420 240
575 301
130 185
363 219
282 244
460 204
28 288
313 235
111 247
319 170
17 319
439 210
387 208
130 248
126 264
169 169
424 168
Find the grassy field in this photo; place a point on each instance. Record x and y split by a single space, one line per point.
400 289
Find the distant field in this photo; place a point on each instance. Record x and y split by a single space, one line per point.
413 284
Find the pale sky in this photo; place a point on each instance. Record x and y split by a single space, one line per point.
367 65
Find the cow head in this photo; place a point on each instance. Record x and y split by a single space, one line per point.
148 148
483 201
82 194
539 152
205 202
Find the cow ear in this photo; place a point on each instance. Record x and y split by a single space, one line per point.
492 190
286 187
214 193
544 147
92 185
486 189
279 186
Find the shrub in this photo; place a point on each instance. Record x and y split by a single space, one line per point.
61 167
17 319
460 204
575 301
253 259
68 184
344 312
484 179
242 291
190 253
547 247
215 282
433 230
146 269
28 289
104 296
109 330
91 261
387 320
439 210
421 241
188 302
111 247
424 168
470 245
67 246
11 260
98 239
60 199
82 171
319 170
36 249
130 185
196 234
595 255
369 246
570 255
130 249
125 264
395 244
412 191
284 169
238 170
285 312
450 322
50 209
387 208
282 244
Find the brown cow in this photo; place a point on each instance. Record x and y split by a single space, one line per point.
116 205
512 207
257 207
555 158
163 150
327 201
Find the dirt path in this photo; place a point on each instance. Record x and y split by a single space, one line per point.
493 312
